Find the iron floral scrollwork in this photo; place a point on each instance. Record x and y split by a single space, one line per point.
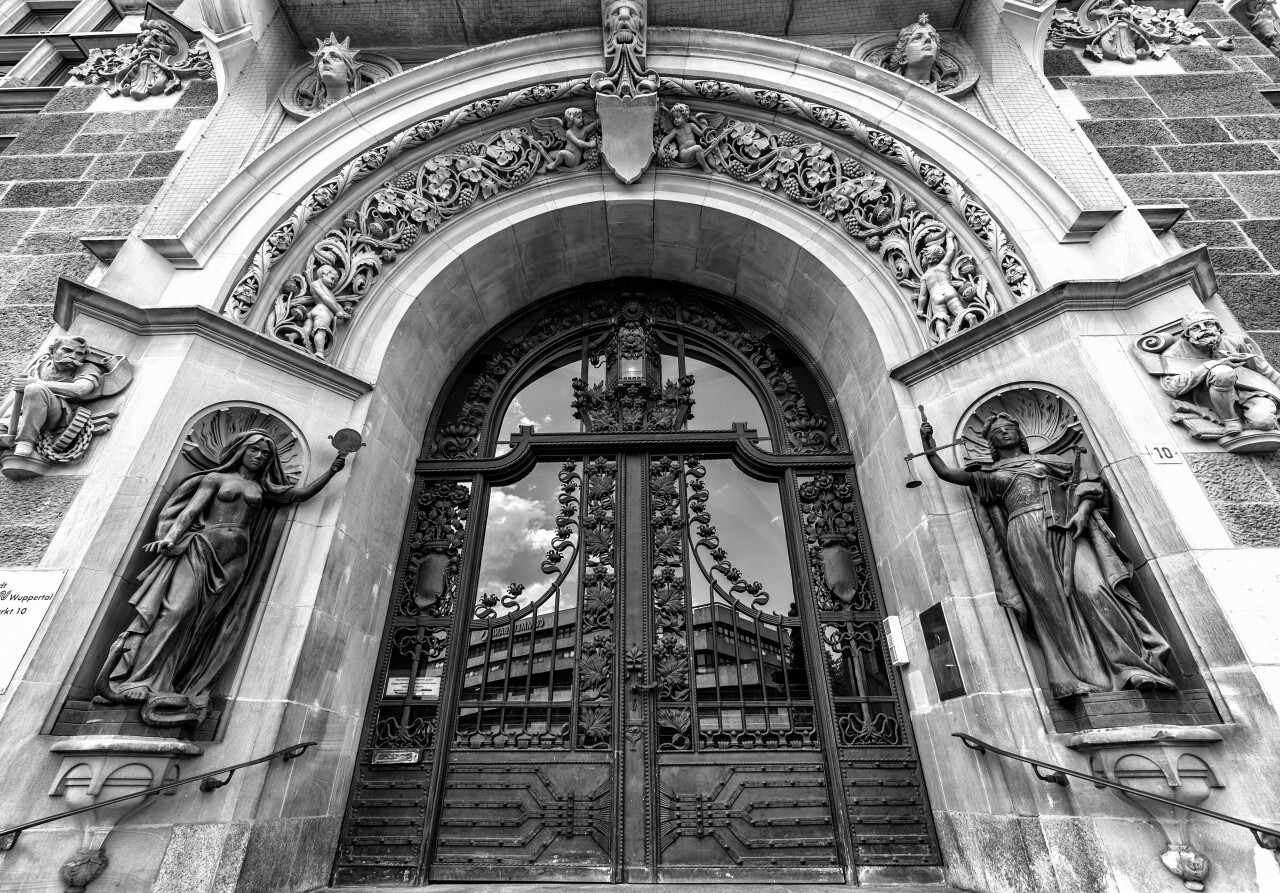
670 646
430 579
706 539
1121 29
838 565
596 623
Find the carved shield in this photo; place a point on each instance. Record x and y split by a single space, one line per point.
626 125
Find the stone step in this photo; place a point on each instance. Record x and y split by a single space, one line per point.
652 888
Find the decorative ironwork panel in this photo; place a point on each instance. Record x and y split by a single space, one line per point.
717 821
532 821
892 824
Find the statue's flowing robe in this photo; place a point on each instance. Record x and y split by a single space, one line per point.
1092 630
199 644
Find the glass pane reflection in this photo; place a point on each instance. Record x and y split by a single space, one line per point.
722 399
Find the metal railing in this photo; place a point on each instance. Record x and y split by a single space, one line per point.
1268 838
208 782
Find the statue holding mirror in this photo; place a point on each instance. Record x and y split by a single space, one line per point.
195 599
1043 518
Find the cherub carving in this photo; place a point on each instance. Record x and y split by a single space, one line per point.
685 130
938 302
318 327
574 133
308 308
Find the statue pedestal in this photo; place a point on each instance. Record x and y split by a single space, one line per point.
21 468
100 768
1125 709
1169 761
1246 442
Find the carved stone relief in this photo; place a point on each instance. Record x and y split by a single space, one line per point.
1261 17
334 73
626 89
52 414
196 597
920 249
1120 29
1223 388
1044 520
917 53
165 54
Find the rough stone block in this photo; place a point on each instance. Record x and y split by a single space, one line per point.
120 122
1265 235
1063 63
24 546
10 269
1132 160
49 133
40 281
72 98
1196 95
116 219
1213 209
1270 344
63 219
202 858
269 856
1221 157
1268 65
1129 108
178 119
154 141
1197 130
1215 234
1210 31
49 243
44 167
40 500
1259 194
1211 11
1238 260
1197 58
1252 298
13 224
44 194
1162 187
1254 525
113 167
93 143
198 93
1103 87
1129 133
123 192
1253 127
157 164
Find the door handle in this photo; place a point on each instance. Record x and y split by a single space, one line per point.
639 685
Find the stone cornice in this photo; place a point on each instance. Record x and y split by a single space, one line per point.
78 299
1191 267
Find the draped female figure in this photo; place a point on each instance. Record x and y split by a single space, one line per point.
1057 565
193 605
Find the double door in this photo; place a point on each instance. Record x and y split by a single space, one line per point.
645 678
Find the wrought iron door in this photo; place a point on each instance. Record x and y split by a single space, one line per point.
635 644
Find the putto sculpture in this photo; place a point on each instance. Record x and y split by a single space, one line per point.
334 73
684 134
46 419
1223 387
165 54
1043 519
1121 30
195 599
570 143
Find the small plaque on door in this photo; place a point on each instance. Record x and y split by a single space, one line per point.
395 757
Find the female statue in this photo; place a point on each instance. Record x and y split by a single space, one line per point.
1056 564
193 605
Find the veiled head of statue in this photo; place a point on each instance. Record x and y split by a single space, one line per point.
1002 431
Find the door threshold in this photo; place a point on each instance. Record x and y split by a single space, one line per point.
718 887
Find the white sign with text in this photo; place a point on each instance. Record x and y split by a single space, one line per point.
25 596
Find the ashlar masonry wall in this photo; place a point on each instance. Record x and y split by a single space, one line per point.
72 173
1205 137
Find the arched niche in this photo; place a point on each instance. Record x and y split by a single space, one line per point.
203 436
1052 423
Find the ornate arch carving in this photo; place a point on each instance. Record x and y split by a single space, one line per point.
341 266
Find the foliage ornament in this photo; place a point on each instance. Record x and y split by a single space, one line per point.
920 249
335 72
165 54
1121 29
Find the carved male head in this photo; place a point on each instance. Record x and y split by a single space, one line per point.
68 353
1201 329
155 38
623 21
916 50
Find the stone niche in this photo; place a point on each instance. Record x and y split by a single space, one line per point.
1052 425
83 713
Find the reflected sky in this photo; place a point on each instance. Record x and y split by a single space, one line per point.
722 399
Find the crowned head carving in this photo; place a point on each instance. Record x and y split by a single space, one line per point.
335 72
916 51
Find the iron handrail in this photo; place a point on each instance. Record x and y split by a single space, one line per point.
1058 775
9 836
